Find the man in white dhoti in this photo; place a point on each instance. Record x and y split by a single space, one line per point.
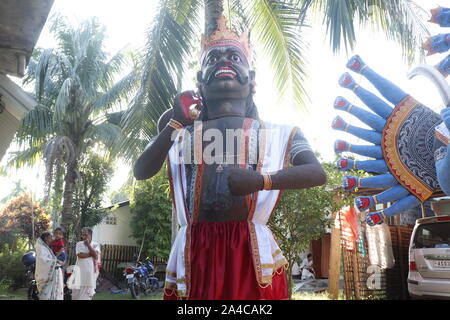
48 274
307 269
88 261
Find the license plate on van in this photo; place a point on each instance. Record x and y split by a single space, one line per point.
441 263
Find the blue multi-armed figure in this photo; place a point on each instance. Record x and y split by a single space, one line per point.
408 141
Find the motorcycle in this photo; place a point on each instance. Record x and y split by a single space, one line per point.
67 272
29 261
141 279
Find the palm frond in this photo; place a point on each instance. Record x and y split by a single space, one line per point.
115 117
238 18
110 69
338 16
122 90
65 102
106 133
70 80
26 157
35 126
401 20
277 29
168 48
40 72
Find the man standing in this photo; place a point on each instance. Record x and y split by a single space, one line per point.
224 189
87 267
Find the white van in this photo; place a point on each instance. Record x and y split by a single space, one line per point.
429 259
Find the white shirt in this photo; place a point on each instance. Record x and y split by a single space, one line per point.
306 274
88 274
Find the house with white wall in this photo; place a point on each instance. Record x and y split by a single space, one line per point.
115 228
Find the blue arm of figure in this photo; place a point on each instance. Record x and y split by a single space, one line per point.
400 206
443 164
443 172
444 66
440 43
387 89
443 17
368 135
366 165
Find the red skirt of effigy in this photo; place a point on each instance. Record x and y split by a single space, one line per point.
222 265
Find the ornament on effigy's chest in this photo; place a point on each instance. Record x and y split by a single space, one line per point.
218 196
222 139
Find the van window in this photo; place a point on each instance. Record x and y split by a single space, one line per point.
432 235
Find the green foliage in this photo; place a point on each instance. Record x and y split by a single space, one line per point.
278 30
302 215
151 208
400 20
95 172
169 45
16 220
12 271
78 95
118 196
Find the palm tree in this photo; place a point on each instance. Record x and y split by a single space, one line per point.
77 107
276 26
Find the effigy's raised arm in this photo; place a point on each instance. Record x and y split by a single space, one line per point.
306 172
151 160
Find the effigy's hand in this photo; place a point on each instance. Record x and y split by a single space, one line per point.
445 114
440 16
437 44
374 218
181 105
434 12
427 46
244 181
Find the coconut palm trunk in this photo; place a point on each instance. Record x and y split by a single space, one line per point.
213 11
68 196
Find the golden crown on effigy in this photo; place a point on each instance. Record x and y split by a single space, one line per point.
223 36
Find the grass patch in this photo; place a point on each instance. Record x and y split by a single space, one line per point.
19 294
22 295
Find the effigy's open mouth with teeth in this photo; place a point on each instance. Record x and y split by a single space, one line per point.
225 72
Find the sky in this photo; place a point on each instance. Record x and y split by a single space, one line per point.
126 24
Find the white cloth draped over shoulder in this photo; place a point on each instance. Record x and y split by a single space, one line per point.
274 150
84 277
49 278
306 274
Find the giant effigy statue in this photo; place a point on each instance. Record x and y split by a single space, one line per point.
226 171
408 148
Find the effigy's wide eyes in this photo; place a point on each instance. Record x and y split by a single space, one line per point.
235 58
212 59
